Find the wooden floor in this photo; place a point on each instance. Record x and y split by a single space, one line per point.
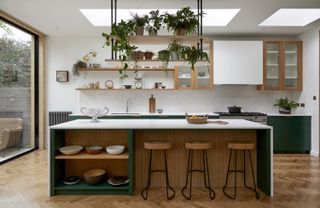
24 183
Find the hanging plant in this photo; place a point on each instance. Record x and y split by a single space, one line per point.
76 68
164 56
193 54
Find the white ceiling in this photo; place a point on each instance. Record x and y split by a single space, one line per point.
63 18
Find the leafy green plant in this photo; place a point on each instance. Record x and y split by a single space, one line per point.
175 47
139 21
76 68
285 103
154 23
184 18
164 56
119 34
192 55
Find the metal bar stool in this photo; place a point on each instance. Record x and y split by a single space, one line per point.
234 147
164 146
204 146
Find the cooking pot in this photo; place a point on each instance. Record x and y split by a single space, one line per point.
234 109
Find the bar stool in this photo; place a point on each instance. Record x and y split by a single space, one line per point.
234 147
151 146
204 146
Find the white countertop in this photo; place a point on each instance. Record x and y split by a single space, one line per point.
152 114
158 124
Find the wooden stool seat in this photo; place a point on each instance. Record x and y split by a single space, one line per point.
241 145
157 145
198 145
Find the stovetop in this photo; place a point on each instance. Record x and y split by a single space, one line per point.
241 114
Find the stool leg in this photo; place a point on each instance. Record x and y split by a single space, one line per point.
144 191
189 171
206 175
225 185
168 187
252 172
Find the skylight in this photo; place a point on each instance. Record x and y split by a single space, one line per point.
292 17
212 17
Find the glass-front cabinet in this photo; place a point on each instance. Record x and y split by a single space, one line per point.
282 65
199 78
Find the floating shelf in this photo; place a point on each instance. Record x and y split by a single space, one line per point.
83 155
102 69
165 39
152 60
105 89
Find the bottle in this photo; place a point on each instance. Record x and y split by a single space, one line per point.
152 104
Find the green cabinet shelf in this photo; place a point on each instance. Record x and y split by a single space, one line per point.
291 134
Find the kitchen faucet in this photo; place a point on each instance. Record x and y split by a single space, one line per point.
127 106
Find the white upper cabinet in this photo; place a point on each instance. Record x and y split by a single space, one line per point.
238 62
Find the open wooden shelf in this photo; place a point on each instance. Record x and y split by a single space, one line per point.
107 69
88 89
84 186
152 60
166 39
102 155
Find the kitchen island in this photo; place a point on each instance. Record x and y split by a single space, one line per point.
133 163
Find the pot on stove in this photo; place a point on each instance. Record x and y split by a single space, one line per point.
234 109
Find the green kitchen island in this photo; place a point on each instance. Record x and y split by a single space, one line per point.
132 133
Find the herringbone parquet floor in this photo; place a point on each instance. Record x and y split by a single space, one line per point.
24 183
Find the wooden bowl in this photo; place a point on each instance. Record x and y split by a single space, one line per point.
94 176
94 149
196 119
70 150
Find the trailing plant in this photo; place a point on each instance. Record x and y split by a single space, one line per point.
285 103
154 23
184 18
120 34
76 68
139 21
193 54
164 56
176 47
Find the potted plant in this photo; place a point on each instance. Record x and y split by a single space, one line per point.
285 105
76 68
192 55
154 22
164 56
175 49
137 55
148 55
139 23
185 21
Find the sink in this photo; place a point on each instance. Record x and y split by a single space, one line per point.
125 113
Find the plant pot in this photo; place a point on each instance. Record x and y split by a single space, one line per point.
139 30
153 33
180 32
234 109
284 110
148 55
174 56
137 55
83 65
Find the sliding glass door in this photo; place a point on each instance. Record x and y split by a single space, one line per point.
18 91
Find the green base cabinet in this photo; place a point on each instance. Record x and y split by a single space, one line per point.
291 134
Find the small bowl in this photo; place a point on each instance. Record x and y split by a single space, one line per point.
115 149
94 149
96 65
159 110
127 86
70 150
94 176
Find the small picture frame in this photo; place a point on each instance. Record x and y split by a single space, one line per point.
62 76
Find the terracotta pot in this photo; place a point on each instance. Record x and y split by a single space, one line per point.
137 55
153 33
83 65
181 31
148 55
139 30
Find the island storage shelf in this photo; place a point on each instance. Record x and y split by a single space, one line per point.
123 156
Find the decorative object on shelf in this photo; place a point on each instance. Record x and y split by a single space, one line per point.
93 149
118 180
70 150
109 84
71 180
185 21
285 105
164 56
175 49
115 149
152 104
91 85
159 110
154 23
96 85
148 55
201 74
76 68
94 113
194 119
158 85
96 65
94 176
138 84
62 76
234 109
192 55
137 55
139 23
86 58
127 86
